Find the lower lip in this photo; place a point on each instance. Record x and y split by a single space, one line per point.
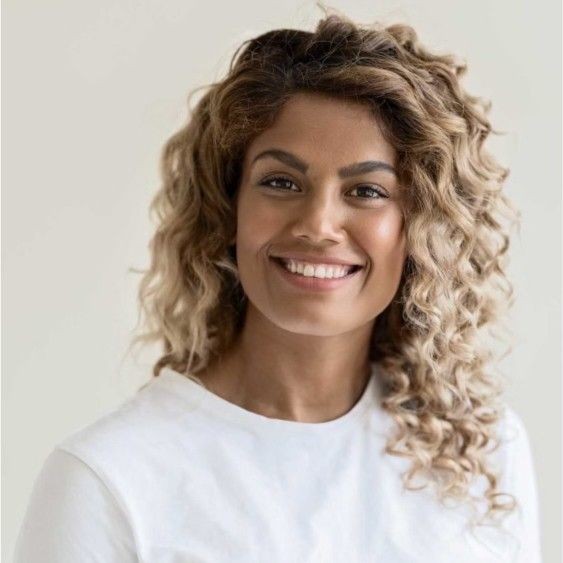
312 283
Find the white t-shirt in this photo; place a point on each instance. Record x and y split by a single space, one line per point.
176 474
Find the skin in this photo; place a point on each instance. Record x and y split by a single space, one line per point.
303 355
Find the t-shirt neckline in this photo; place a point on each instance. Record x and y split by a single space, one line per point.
210 402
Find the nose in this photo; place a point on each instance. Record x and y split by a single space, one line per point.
318 218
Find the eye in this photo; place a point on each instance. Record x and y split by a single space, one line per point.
372 189
268 183
376 193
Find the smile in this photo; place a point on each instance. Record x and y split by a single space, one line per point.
304 276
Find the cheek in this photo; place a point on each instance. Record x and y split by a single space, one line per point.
257 224
388 233
386 242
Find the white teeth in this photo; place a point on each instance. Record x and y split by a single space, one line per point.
323 271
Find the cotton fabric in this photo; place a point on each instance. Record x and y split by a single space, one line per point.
177 474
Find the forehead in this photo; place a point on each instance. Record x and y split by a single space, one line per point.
325 131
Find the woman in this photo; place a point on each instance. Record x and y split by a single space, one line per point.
329 257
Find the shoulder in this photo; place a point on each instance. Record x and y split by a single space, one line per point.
514 443
146 422
517 476
512 425
68 495
91 481
510 458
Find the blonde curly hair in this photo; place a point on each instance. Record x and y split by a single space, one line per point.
433 340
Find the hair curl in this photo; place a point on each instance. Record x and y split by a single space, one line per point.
438 385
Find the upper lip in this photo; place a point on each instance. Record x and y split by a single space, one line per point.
315 259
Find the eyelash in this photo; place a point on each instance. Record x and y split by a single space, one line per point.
284 179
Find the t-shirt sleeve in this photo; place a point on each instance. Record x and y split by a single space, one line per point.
73 516
521 481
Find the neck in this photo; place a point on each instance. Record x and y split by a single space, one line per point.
292 376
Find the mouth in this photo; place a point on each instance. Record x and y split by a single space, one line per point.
311 282
282 262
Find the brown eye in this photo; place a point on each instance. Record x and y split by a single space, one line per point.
283 184
282 180
376 194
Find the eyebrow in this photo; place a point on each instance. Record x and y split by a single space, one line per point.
351 170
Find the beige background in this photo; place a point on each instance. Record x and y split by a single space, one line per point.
91 92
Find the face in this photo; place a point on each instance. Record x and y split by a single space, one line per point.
309 195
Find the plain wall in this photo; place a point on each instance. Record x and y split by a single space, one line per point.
91 92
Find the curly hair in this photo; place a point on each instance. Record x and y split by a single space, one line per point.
433 340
